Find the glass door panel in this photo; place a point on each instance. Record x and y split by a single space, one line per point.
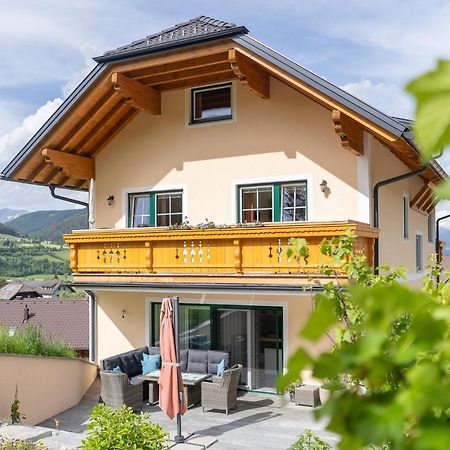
231 336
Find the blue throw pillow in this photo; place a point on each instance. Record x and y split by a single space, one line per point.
145 356
152 363
117 369
221 368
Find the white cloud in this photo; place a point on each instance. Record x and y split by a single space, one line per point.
31 198
385 97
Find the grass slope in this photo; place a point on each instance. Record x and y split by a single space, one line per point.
35 222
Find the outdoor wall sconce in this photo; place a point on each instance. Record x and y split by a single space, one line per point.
110 200
324 188
124 313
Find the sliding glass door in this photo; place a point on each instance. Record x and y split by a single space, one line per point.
252 335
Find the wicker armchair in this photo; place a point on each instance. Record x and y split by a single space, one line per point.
117 391
222 392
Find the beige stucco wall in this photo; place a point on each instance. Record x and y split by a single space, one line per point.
117 334
394 250
287 136
46 386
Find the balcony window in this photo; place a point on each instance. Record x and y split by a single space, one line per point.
159 209
257 204
211 103
169 209
275 202
294 203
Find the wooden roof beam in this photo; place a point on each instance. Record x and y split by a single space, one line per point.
250 73
141 97
349 131
73 166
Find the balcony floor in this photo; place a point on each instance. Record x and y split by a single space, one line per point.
265 422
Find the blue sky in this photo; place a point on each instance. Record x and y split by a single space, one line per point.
369 48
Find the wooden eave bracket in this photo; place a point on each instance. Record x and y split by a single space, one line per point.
425 200
255 78
73 166
349 131
141 97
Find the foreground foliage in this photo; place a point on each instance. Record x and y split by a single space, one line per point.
31 341
15 444
390 339
123 429
309 441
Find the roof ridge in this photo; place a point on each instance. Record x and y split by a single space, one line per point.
196 28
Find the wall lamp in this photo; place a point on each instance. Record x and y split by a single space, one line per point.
324 188
124 313
110 200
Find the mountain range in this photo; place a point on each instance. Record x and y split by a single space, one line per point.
7 214
49 225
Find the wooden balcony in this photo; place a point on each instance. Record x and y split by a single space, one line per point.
238 254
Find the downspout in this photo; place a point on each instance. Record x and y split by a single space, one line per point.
376 220
92 325
70 200
437 244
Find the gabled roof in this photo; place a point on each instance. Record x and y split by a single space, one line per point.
198 52
199 29
67 319
31 288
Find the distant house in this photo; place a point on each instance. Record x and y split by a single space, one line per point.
21 289
66 320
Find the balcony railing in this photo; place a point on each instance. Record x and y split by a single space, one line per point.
258 250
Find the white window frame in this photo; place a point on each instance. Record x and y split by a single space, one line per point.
419 255
405 216
169 214
298 183
256 186
431 226
132 197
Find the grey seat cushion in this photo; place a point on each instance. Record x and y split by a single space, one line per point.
214 358
111 363
153 350
130 365
197 361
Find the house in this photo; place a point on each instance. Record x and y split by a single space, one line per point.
66 320
19 289
203 124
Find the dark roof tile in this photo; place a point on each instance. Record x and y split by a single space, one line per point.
199 28
66 319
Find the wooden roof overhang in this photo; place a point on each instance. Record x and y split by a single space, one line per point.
65 156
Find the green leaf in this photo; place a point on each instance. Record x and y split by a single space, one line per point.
432 126
320 321
298 248
297 362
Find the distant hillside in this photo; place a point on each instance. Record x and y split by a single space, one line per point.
4 229
7 214
50 225
54 232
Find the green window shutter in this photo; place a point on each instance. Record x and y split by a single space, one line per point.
129 210
276 202
152 209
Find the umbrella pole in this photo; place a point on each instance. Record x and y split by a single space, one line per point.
179 438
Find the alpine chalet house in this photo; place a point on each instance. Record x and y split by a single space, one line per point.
202 123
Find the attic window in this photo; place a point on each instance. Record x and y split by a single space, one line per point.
212 103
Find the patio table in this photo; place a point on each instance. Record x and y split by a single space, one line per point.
192 384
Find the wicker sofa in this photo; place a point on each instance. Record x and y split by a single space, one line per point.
197 361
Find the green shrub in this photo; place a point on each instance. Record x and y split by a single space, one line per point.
31 341
14 444
111 429
309 441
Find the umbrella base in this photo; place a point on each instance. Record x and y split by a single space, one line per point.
193 441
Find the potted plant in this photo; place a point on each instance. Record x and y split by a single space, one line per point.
328 385
291 389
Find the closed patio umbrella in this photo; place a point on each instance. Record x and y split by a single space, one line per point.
171 393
